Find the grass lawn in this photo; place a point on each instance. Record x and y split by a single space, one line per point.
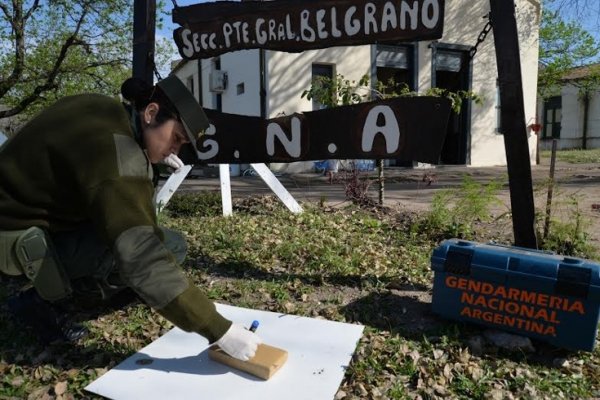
354 265
575 156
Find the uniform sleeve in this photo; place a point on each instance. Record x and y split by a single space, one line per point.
122 210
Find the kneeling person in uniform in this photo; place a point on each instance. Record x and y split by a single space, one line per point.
76 202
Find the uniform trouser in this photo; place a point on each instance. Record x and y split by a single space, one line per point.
72 254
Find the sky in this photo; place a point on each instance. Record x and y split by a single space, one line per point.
169 27
587 12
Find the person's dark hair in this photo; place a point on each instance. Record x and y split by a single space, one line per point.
140 94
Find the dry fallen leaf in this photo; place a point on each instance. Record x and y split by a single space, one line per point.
448 372
440 390
60 387
39 393
414 355
289 307
363 391
17 381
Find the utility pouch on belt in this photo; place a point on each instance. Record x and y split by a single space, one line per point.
41 265
9 264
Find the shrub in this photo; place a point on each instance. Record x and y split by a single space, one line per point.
568 235
454 211
195 204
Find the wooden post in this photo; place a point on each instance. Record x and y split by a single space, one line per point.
550 190
381 181
144 26
514 128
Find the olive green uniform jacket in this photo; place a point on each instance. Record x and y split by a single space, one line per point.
78 161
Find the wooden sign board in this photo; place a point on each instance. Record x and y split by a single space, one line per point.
210 29
408 128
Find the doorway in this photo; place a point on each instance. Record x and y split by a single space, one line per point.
396 71
452 71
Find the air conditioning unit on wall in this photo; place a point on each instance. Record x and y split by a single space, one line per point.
218 81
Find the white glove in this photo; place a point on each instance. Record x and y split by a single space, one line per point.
173 161
239 342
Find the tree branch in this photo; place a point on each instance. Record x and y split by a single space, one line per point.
6 11
49 83
35 5
27 100
18 26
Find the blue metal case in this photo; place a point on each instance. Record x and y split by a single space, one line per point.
533 293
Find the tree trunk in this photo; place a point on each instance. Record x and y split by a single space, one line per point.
586 110
381 181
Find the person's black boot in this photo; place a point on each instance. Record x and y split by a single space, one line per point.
47 324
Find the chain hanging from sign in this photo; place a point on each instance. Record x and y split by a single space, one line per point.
482 35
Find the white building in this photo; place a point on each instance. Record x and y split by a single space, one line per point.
269 83
569 117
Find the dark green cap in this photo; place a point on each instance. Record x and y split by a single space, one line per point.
191 113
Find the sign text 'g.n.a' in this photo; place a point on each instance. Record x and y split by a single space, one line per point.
210 29
407 128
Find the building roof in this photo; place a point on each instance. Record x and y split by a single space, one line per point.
177 64
582 72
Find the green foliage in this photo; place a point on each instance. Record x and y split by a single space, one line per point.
454 211
339 264
575 156
313 244
67 47
341 91
568 234
391 89
563 45
337 92
201 204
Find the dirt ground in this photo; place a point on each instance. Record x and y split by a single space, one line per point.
413 189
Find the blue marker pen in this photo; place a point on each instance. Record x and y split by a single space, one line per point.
254 325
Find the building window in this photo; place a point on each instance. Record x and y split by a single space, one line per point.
240 88
552 117
218 97
395 67
498 108
190 85
325 70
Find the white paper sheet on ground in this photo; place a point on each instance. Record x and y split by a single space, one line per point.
170 187
318 353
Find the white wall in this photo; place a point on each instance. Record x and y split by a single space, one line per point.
571 134
242 67
186 70
462 26
593 140
572 119
291 73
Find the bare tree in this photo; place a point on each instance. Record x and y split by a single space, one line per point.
581 10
